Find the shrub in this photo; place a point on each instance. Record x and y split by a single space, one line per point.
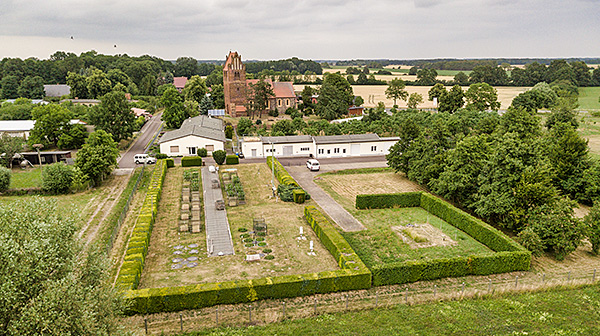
202 152
170 163
191 161
299 195
232 159
242 229
273 113
262 244
160 156
219 156
57 178
4 179
531 241
381 201
270 257
229 132
267 250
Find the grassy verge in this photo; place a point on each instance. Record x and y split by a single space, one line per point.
26 178
588 98
557 312
358 171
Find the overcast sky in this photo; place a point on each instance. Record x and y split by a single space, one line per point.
311 29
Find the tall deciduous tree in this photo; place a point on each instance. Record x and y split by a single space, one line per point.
114 116
195 89
452 100
396 90
414 100
98 157
51 121
174 113
97 84
592 220
335 96
78 85
258 97
9 146
482 96
9 87
32 87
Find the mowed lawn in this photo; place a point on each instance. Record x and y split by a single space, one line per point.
556 312
588 98
26 178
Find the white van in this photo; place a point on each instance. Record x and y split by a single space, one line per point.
313 164
144 158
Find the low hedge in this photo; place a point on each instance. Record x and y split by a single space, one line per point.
283 177
509 256
353 275
191 161
137 247
170 163
299 195
232 159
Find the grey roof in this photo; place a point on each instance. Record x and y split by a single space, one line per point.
57 90
286 139
200 126
332 139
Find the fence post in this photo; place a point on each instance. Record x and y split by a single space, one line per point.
490 286
284 310
315 306
346 301
377 297
462 292
146 325
434 291
544 278
217 316
406 296
516 281
250 313
181 321
594 276
569 277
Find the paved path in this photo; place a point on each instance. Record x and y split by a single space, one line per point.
339 215
217 226
147 132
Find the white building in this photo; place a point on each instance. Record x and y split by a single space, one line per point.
22 128
317 146
194 133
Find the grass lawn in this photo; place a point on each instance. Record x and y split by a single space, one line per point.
26 178
588 98
555 312
283 220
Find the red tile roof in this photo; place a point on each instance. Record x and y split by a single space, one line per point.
280 89
179 82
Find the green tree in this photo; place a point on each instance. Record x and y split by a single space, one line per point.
219 156
481 97
49 288
195 89
395 90
557 227
283 127
97 83
491 74
229 132
9 87
174 113
259 94
307 101
51 121
205 105
414 100
436 91
147 85
592 220
215 78
186 67
563 112
426 77
57 178
461 79
452 100
560 70
9 146
32 87
244 125
335 96
5 175
74 139
114 116
218 96
78 85
98 157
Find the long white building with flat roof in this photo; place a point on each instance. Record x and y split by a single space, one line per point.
328 146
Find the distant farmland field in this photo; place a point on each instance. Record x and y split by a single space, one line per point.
505 94
588 98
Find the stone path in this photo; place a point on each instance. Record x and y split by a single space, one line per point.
218 234
339 215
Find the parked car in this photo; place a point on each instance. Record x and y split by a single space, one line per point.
313 165
220 204
240 155
144 158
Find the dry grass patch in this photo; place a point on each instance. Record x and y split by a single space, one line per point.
283 220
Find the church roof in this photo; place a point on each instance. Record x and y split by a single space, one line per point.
280 89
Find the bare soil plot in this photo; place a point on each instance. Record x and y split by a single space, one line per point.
283 220
505 94
423 235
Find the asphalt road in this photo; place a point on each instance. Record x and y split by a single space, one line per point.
139 146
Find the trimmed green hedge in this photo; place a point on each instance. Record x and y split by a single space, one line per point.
286 179
509 256
170 163
232 159
137 247
353 275
191 161
299 195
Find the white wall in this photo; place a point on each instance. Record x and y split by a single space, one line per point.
264 150
248 146
189 141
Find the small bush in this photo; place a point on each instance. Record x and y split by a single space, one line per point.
4 179
202 152
57 178
170 163
267 250
274 113
242 229
270 257
531 241
248 240
191 161
219 156
244 235
249 245
262 244
160 156
232 159
259 239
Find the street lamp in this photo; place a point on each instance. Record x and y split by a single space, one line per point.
37 147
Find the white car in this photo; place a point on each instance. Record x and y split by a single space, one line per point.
144 158
313 165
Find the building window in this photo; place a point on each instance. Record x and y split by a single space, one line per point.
329 151
210 148
336 150
287 102
321 151
174 149
373 148
304 149
192 150
344 150
270 150
278 102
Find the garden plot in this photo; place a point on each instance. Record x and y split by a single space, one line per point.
423 235
282 250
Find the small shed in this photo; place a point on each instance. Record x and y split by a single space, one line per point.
46 157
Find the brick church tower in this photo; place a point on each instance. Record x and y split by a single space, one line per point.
234 85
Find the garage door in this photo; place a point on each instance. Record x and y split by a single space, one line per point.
355 150
288 150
